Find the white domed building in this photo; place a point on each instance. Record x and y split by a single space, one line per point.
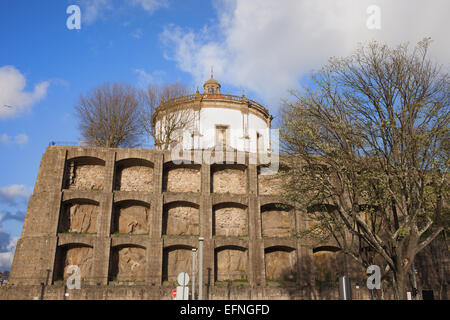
216 120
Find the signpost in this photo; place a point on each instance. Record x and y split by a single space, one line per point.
182 291
194 257
174 294
345 288
200 268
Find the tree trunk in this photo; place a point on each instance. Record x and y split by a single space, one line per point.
400 284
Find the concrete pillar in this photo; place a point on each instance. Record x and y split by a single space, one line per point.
256 248
100 264
106 212
206 231
306 267
56 166
55 193
51 170
205 179
252 179
48 268
154 262
110 166
206 217
208 267
158 172
54 208
256 244
155 248
156 210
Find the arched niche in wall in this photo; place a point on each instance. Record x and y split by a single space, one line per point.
127 263
181 178
277 220
330 261
230 219
280 263
134 175
79 216
77 254
176 259
316 216
84 173
231 263
229 178
270 184
328 264
131 217
181 218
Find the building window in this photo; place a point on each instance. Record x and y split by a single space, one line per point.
259 143
221 136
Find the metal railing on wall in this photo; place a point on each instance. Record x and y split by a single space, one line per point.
86 144
192 97
64 143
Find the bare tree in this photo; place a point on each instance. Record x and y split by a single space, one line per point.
109 116
369 142
164 119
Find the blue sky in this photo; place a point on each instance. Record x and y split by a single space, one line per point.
263 46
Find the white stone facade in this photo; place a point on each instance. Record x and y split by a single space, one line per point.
221 120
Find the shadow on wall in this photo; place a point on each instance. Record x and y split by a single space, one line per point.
316 277
433 269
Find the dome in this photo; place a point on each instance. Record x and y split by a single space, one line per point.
211 81
211 86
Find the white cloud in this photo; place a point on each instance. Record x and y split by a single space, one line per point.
138 33
145 78
20 139
7 254
14 194
151 5
268 46
18 216
14 100
91 10
7 247
5 139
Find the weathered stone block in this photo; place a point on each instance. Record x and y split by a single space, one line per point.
229 180
79 217
132 218
182 179
231 264
181 219
280 265
277 222
175 260
134 178
128 264
68 255
230 221
269 185
84 174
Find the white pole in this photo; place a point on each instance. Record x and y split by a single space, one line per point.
413 270
194 257
200 268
